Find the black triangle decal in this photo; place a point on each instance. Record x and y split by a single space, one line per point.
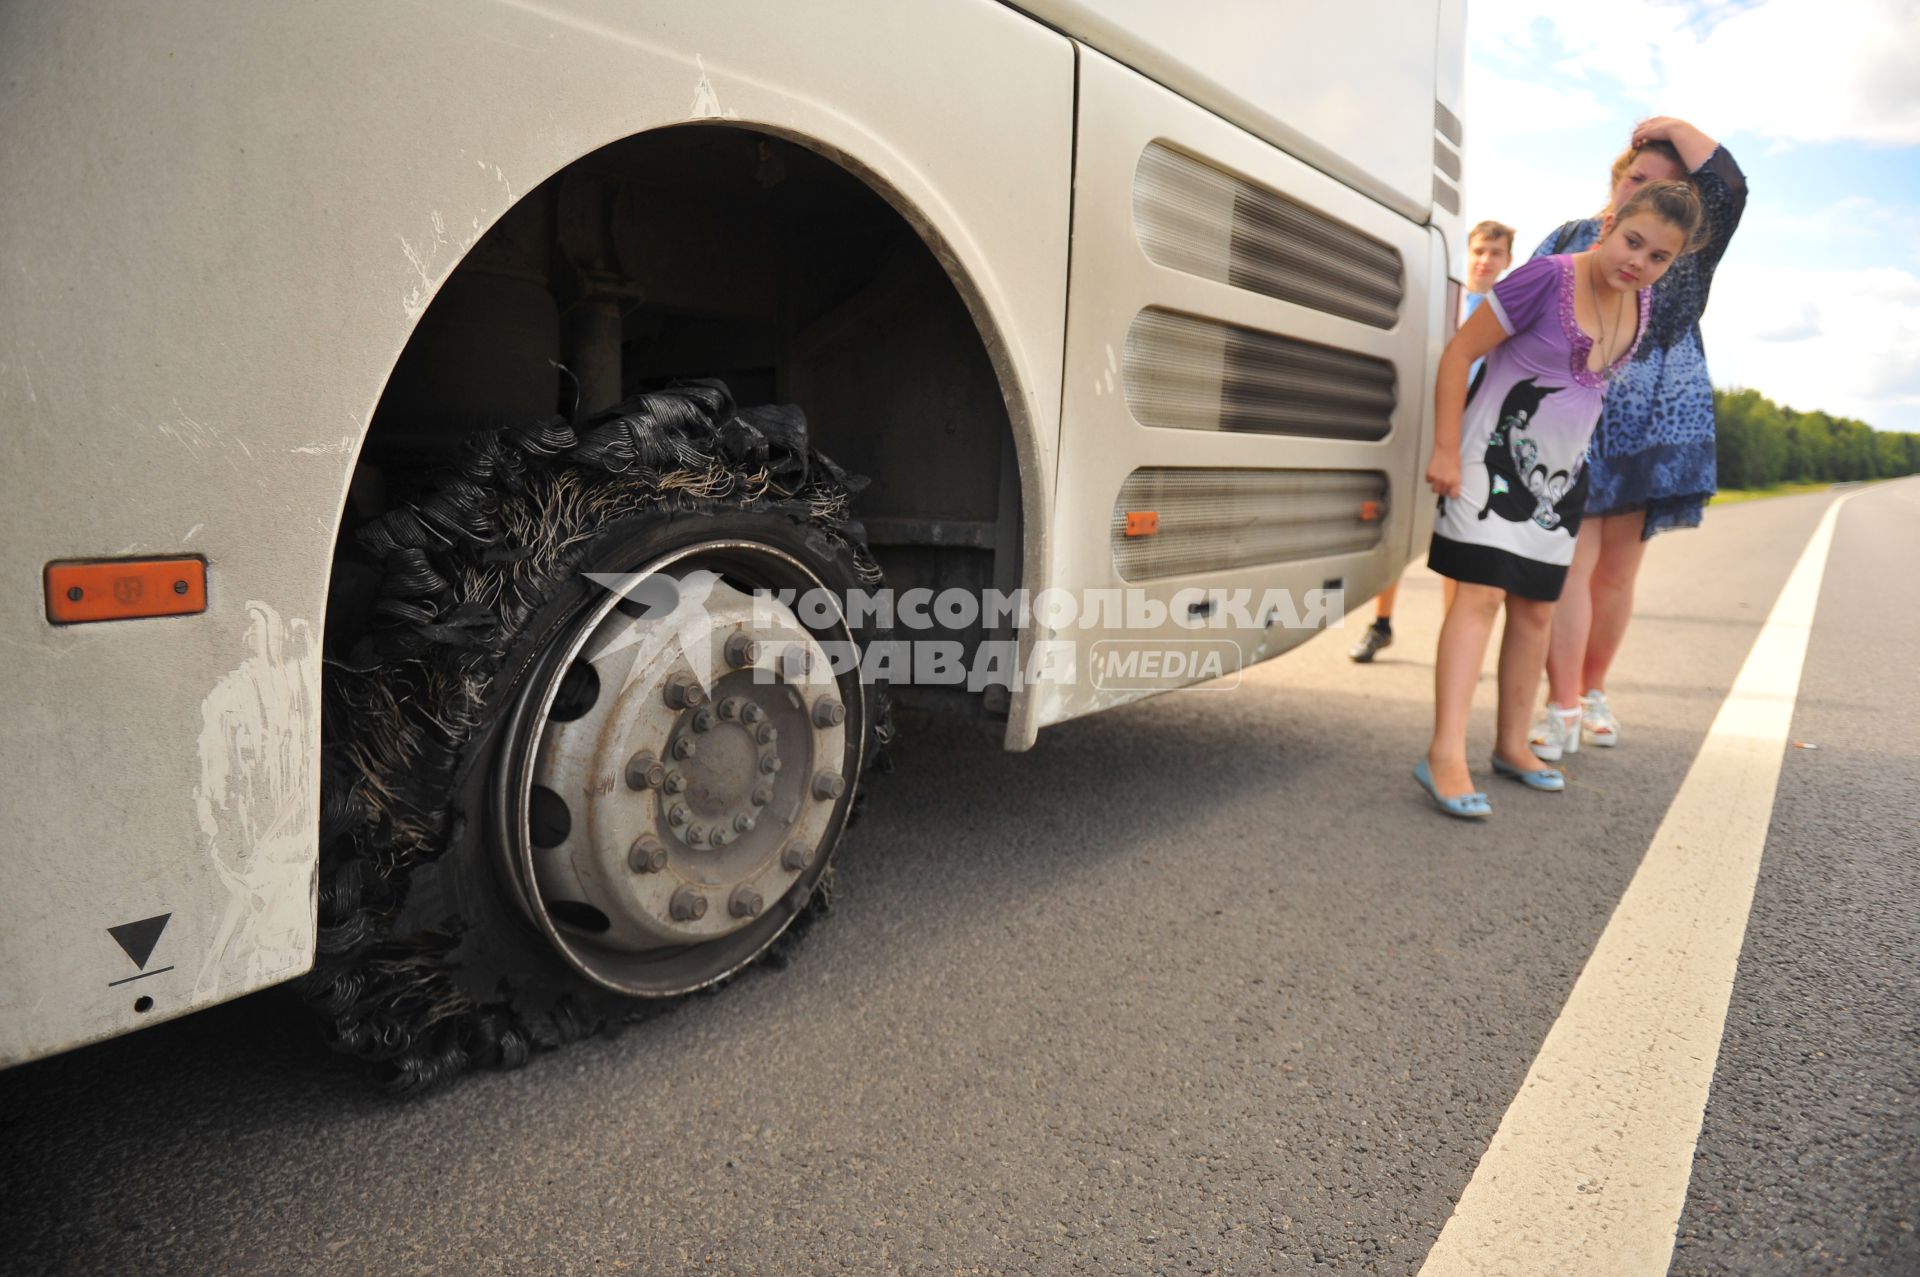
138 938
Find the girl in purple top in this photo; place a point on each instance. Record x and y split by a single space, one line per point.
1509 463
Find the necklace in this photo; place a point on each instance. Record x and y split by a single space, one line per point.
1600 320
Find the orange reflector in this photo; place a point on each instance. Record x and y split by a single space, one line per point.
125 589
1369 511
1143 523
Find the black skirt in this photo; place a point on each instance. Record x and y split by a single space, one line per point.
1502 569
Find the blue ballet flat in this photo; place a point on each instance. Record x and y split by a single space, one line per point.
1549 780
1467 806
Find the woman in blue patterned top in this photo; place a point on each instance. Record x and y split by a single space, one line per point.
1652 463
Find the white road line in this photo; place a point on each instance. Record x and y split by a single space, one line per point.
1588 1171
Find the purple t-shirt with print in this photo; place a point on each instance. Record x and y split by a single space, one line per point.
1524 435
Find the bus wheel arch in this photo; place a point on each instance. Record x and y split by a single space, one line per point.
784 265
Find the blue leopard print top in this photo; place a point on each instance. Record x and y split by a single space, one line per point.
1654 448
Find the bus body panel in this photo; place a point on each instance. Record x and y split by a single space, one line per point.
1102 440
1332 84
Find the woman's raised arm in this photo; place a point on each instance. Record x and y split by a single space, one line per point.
1695 147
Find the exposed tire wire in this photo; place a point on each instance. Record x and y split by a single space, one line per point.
463 564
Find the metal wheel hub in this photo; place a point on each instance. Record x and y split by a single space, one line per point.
683 778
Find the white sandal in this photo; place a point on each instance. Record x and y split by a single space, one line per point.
1557 733
1598 719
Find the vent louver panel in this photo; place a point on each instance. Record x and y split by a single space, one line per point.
1194 218
1446 159
1214 520
1188 373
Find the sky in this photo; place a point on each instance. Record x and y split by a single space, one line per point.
1817 303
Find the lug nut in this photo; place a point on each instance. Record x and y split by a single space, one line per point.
675 784
828 785
687 905
796 857
722 836
644 771
683 748
683 691
742 651
770 764
729 709
703 720
696 834
766 734
752 714
828 712
796 663
762 795
743 823
678 816
647 856
745 902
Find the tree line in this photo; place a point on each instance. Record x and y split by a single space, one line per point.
1762 443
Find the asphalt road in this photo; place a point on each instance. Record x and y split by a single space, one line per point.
1201 985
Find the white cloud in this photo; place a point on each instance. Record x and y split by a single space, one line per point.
1865 362
1626 41
1796 71
1807 71
1854 227
1529 106
1803 326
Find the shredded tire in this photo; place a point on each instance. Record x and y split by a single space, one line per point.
457 573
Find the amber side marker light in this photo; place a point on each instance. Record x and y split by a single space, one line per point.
1143 523
125 589
1370 511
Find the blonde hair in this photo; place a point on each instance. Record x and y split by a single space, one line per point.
1676 203
1665 150
1493 230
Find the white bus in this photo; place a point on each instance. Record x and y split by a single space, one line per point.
350 352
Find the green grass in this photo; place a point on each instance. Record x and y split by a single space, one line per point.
1726 496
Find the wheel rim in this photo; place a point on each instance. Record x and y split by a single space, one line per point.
677 768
